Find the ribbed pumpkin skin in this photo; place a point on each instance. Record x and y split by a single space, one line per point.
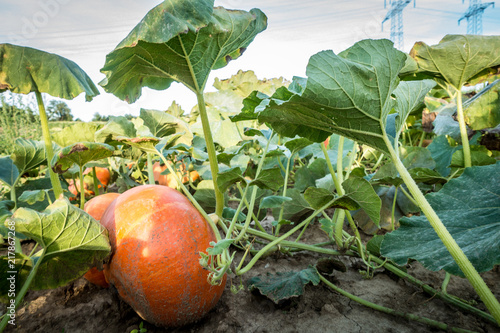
156 235
96 207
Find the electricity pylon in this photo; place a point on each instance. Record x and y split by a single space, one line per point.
396 16
474 16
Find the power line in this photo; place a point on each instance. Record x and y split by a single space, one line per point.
474 16
396 16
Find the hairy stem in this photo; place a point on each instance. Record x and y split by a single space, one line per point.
463 131
456 252
151 176
212 156
82 189
96 181
49 152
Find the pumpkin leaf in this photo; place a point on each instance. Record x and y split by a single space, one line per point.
273 201
229 177
24 70
163 124
72 242
410 98
348 94
228 214
36 185
295 208
269 179
30 197
479 156
483 110
469 207
358 194
79 132
28 154
219 247
469 54
8 170
362 192
5 207
284 285
179 41
441 153
116 128
80 154
444 124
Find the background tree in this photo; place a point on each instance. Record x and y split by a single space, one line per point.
98 117
59 111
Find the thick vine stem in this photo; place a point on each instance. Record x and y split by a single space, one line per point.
151 177
82 189
212 156
390 311
49 152
97 190
456 252
463 131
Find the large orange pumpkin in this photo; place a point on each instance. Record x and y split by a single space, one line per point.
95 207
156 235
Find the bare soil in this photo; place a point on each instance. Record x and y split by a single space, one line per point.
83 307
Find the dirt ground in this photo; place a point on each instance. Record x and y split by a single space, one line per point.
83 307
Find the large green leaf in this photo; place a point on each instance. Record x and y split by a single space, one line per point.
79 132
80 154
445 124
361 191
73 241
179 41
469 207
28 154
162 124
294 209
442 152
269 179
23 70
480 155
409 98
37 185
458 58
115 129
349 94
8 170
273 201
245 82
483 110
284 285
358 194
229 177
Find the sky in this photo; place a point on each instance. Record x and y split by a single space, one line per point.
85 31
